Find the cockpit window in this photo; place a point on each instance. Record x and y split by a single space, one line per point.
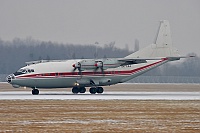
20 70
23 71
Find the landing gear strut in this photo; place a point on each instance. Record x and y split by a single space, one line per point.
35 91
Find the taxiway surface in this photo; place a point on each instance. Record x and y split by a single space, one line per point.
23 95
119 91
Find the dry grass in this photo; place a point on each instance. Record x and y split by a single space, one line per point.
99 116
102 115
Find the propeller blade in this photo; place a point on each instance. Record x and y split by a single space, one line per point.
74 69
102 70
96 69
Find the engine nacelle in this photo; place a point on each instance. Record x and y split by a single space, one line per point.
108 63
77 65
85 64
99 64
88 64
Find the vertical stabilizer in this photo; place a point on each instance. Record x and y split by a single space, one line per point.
163 38
162 46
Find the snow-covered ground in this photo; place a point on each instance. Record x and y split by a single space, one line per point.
49 95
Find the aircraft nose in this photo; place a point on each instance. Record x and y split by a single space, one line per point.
10 77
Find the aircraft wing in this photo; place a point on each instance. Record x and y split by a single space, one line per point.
127 61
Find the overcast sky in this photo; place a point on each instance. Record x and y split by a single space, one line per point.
104 21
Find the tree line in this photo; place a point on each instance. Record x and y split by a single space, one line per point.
14 54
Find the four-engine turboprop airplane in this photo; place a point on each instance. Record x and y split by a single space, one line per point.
94 73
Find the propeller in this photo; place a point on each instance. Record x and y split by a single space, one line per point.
77 66
99 65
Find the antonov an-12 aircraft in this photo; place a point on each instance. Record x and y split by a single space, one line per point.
94 73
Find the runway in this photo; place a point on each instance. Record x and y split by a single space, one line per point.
49 95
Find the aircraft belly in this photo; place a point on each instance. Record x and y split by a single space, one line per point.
56 82
65 82
46 82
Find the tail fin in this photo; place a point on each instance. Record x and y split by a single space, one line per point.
162 46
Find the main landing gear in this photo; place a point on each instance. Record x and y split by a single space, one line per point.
92 90
77 89
35 91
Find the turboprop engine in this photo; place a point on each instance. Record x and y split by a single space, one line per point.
102 64
84 65
107 63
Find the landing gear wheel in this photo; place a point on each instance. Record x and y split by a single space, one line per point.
100 90
75 90
93 90
82 90
35 91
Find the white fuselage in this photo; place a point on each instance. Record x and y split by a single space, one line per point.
61 74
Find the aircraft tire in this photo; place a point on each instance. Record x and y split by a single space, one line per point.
100 90
93 90
82 90
35 91
75 90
